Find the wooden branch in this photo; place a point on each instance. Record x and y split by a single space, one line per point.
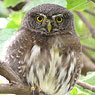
16 85
88 66
93 1
86 86
89 12
18 7
88 55
16 88
6 71
88 47
87 23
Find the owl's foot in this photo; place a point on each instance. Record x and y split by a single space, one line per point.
32 90
35 90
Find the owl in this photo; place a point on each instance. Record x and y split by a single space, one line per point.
46 51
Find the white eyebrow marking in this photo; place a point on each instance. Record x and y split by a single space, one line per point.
43 15
57 15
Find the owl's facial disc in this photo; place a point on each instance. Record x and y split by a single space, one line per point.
45 22
50 23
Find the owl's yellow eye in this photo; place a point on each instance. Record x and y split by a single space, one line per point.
59 19
39 18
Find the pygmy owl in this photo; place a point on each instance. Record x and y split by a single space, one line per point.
46 51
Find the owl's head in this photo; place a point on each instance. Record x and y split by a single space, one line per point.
49 19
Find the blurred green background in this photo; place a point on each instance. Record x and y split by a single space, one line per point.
10 20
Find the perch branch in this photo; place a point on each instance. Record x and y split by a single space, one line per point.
89 12
88 55
86 86
16 86
88 66
93 1
6 71
88 47
87 23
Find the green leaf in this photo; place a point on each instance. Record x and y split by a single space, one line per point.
15 20
74 91
34 3
82 94
83 6
17 17
71 4
90 79
81 29
12 3
12 24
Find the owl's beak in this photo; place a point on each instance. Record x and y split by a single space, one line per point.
49 26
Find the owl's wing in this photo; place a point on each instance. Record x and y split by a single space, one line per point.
72 59
73 67
18 51
77 69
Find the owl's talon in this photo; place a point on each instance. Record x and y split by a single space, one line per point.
39 89
35 90
32 88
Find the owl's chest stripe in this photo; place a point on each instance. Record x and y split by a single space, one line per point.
56 80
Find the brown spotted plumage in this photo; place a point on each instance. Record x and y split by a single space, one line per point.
46 51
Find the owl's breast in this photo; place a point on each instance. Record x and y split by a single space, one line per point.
49 71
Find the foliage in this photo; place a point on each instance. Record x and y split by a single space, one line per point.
78 5
12 3
85 37
35 3
15 20
3 11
